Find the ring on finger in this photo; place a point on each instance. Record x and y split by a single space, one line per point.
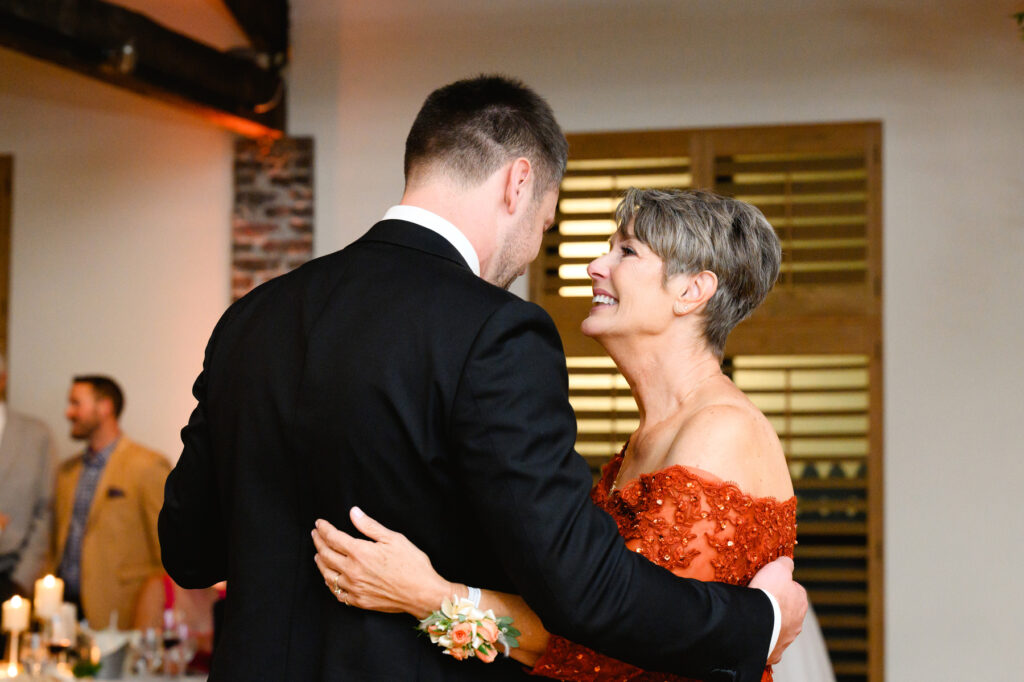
337 589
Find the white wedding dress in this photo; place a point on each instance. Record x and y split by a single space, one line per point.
806 659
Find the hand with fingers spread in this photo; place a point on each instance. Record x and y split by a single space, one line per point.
385 573
777 579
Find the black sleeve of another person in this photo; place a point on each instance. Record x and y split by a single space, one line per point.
190 526
516 434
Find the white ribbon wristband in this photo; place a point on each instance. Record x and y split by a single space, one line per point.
474 596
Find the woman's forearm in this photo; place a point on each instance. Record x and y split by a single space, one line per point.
533 638
391 575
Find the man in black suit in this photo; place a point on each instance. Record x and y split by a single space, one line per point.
395 375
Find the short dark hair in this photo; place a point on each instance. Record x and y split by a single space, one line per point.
104 387
472 126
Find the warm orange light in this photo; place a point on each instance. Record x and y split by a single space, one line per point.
240 125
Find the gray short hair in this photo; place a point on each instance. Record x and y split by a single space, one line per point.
693 231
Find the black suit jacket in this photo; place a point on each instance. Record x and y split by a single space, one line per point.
388 376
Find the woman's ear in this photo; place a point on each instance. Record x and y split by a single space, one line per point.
696 293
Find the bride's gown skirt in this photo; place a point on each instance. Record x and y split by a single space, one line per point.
693 524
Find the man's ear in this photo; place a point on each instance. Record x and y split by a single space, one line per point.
105 406
696 293
518 184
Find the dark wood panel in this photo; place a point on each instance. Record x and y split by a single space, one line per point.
625 171
792 188
725 166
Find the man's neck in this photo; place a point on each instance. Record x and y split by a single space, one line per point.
103 437
463 208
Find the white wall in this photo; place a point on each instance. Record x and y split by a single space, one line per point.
120 245
945 80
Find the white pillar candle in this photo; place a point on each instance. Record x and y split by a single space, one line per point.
49 596
15 614
68 619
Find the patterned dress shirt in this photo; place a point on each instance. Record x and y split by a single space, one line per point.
70 568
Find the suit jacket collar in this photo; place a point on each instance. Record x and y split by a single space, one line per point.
412 236
113 472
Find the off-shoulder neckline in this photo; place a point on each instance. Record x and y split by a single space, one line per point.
702 475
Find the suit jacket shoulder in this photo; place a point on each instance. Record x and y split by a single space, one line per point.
140 454
69 465
127 456
28 425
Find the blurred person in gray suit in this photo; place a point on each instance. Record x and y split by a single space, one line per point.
26 496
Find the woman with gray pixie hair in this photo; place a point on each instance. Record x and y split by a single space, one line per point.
694 231
701 487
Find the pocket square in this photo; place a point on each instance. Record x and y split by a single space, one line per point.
114 492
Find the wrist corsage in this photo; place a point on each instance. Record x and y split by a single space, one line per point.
464 631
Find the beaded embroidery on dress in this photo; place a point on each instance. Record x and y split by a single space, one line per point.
691 523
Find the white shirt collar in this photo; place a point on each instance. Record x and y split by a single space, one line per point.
435 223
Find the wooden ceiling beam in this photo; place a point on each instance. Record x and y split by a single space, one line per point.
127 49
265 22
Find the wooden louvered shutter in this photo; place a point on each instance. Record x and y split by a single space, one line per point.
810 357
594 183
820 407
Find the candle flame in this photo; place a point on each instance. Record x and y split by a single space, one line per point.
16 601
12 669
49 581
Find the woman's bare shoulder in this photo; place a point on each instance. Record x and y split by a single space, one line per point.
734 441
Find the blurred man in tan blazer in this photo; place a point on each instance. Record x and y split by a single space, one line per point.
107 502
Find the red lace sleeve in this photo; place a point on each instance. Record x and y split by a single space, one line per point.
691 523
565 660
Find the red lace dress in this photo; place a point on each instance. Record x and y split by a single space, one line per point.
695 525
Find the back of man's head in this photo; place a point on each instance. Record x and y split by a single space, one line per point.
104 387
469 128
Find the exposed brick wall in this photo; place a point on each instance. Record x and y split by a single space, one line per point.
272 221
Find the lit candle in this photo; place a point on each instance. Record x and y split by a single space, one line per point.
15 618
69 614
49 596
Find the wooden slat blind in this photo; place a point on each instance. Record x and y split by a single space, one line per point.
816 203
820 407
810 357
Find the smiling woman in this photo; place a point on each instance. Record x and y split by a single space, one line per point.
678 237
809 358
